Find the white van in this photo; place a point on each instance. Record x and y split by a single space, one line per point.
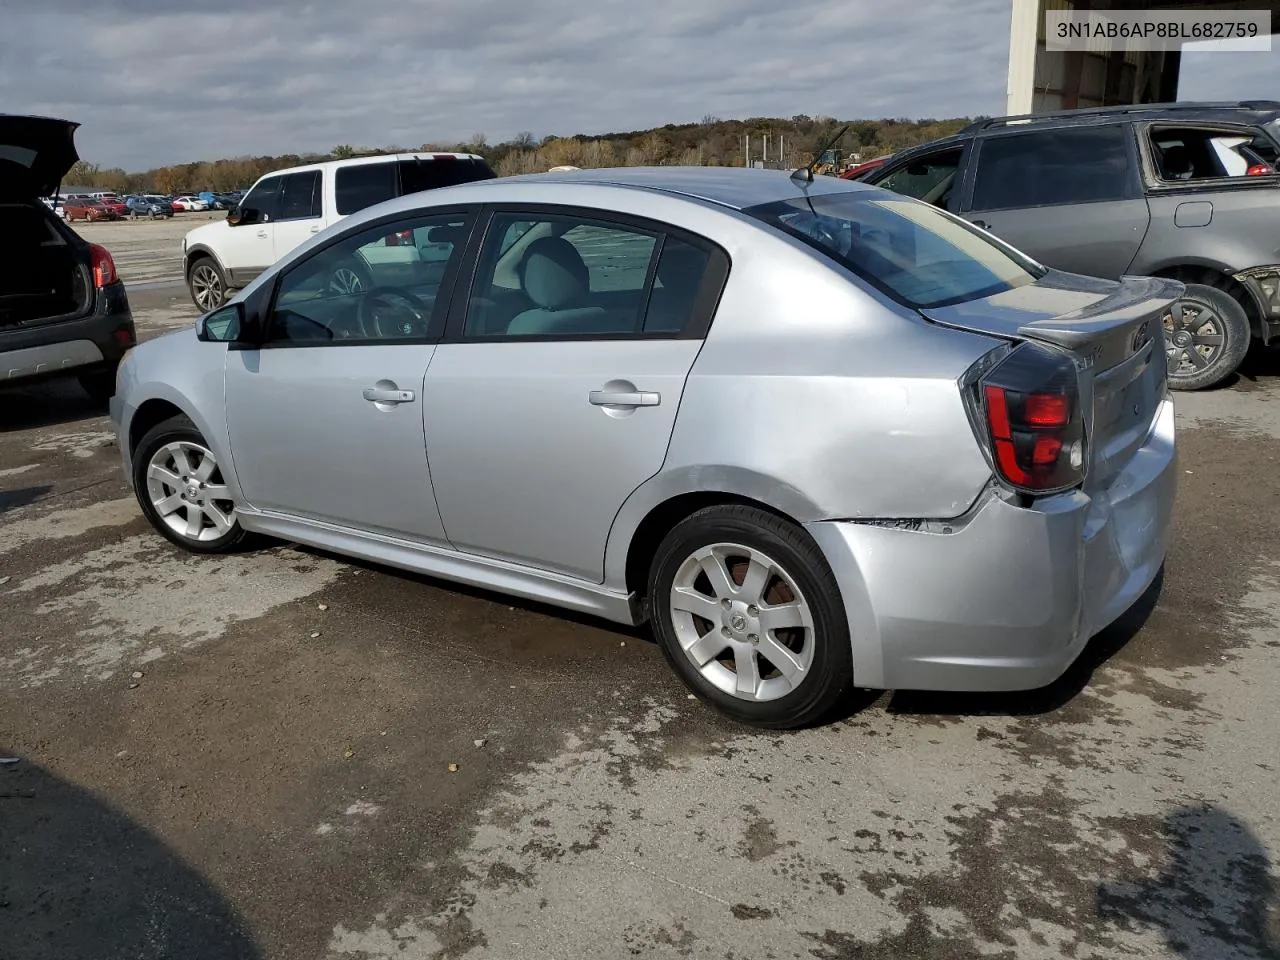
285 208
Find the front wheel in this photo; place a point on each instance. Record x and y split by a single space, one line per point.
748 614
181 490
207 285
1205 339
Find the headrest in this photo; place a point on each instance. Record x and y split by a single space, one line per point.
553 274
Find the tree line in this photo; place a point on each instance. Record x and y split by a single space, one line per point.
791 142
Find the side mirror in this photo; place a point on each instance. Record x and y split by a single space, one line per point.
243 216
224 325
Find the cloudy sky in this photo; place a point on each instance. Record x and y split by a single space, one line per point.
158 81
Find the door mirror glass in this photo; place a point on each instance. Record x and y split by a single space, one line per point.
223 325
243 216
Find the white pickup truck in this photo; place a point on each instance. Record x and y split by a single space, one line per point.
285 208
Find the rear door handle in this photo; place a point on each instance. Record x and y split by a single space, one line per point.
315 229
623 398
387 395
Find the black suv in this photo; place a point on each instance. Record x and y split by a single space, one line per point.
63 309
1181 190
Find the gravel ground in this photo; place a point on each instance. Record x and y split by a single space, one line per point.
250 756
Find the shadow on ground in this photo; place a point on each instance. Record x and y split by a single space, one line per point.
80 879
1216 898
46 404
1025 703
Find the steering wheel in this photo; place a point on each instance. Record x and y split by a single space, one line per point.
392 314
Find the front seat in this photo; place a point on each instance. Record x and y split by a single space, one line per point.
555 278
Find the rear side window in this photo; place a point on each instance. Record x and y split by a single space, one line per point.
300 196
364 184
418 175
1198 153
1053 167
909 250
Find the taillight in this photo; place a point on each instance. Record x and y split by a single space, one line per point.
1027 408
402 239
104 268
1259 170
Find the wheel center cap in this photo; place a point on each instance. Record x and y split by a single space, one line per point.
193 491
738 622
1181 338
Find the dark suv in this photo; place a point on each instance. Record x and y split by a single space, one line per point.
63 309
1181 190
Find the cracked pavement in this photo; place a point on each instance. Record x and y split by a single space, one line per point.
249 756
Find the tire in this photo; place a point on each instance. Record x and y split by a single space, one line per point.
189 512
100 385
1208 338
207 284
734 640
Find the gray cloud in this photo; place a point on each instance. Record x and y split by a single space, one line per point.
154 83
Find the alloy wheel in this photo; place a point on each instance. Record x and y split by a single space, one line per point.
1194 337
206 287
187 491
742 621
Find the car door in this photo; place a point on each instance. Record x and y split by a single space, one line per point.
326 416
299 215
555 391
1070 197
248 247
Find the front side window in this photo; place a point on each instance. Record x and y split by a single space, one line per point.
262 199
364 184
300 196
907 249
930 178
1044 168
565 276
380 284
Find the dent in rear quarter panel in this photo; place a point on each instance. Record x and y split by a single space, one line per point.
847 404
188 373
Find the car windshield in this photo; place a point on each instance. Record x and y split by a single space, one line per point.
909 250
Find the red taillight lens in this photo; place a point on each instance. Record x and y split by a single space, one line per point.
1028 408
104 268
1259 170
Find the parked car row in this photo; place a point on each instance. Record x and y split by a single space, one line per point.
105 205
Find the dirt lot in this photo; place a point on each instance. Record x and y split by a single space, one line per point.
146 251
249 756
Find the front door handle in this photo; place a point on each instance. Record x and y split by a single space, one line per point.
315 229
262 234
387 395
625 398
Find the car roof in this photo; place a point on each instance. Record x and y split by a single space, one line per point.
1242 111
736 187
379 158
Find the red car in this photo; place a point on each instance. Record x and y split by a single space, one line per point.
88 210
857 171
115 205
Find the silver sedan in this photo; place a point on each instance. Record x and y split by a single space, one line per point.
814 433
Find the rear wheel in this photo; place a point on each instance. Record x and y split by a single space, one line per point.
1206 339
207 285
749 615
180 487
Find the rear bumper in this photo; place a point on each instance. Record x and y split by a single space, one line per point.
1010 597
98 339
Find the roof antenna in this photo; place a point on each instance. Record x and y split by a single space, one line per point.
805 174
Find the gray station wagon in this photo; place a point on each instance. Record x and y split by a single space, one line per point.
1187 191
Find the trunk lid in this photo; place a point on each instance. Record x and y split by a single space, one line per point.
35 154
1115 334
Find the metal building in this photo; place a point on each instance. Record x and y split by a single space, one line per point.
1041 80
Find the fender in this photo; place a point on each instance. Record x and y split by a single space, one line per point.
200 250
669 484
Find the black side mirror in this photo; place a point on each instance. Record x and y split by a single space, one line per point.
224 325
243 216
